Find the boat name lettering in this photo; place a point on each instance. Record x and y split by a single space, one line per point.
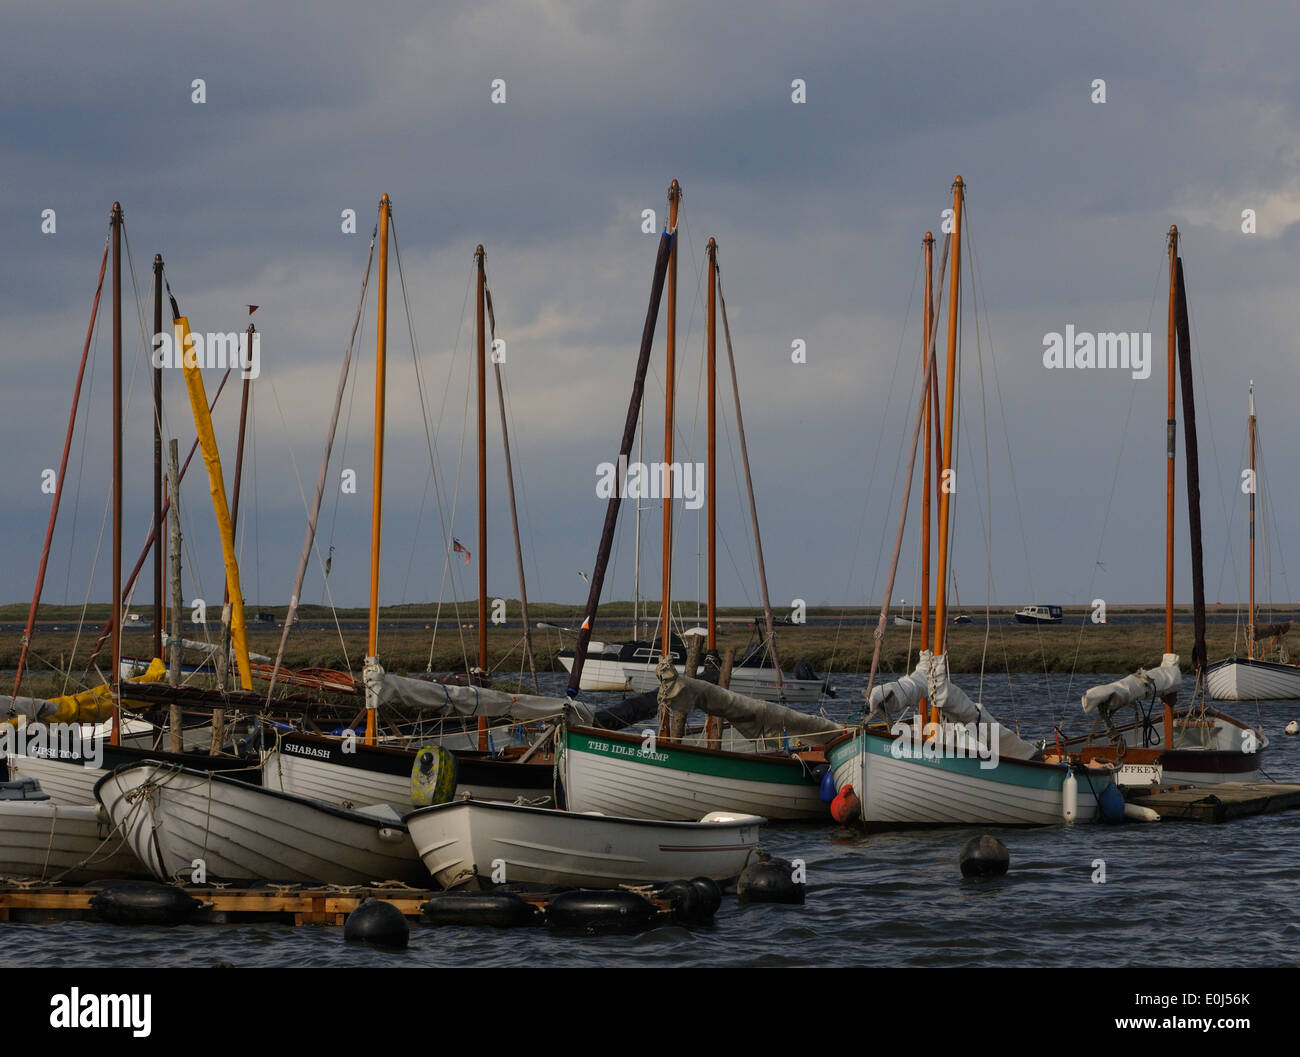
307 750
634 751
53 741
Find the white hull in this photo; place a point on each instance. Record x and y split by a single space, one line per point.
52 842
677 787
172 816
66 783
598 674
460 842
1242 680
910 792
752 682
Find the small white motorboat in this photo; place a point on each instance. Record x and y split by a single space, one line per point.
475 843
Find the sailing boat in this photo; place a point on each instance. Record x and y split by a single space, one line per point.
1252 678
468 842
340 771
1195 743
626 774
67 774
962 766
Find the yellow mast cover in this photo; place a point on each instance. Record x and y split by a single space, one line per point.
217 488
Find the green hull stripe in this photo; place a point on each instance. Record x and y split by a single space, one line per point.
1006 772
670 757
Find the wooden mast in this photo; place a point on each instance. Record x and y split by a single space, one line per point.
947 485
1170 447
377 501
481 374
926 513
1250 613
634 409
510 490
711 466
670 382
30 628
116 220
218 714
157 465
713 725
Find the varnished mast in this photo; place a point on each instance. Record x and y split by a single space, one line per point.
945 477
1170 448
713 726
670 382
481 374
377 501
157 466
1250 613
926 513
116 735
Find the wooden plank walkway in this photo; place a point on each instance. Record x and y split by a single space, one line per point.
297 906
1218 803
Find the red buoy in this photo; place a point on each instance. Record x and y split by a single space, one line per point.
845 807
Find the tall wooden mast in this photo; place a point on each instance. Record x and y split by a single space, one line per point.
926 514
1170 453
481 375
711 465
947 484
713 725
1250 613
670 382
157 466
377 501
116 219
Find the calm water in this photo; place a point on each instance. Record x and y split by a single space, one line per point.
1174 895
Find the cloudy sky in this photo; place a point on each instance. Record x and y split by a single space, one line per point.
819 208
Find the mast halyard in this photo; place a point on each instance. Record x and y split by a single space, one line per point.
376 510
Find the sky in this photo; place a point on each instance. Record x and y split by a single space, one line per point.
817 142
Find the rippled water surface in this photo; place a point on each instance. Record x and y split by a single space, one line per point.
1174 895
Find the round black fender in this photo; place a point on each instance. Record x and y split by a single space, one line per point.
769 880
685 899
375 921
710 895
503 910
596 911
142 903
984 856
804 670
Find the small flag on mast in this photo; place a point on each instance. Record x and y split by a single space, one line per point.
459 548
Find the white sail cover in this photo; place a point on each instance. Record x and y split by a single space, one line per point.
931 680
1146 684
467 702
756 720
